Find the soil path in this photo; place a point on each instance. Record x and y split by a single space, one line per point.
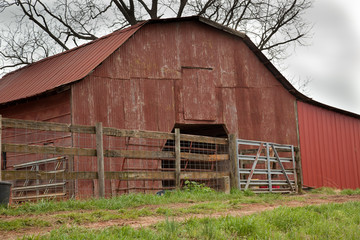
240 210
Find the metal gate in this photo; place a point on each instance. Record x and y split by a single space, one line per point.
266 167
41 187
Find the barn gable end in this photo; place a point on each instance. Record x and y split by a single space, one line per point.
186 73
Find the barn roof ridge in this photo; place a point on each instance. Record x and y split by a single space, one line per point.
120 37
117 31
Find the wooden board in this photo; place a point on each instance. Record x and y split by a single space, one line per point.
155 175
203 139
23 148
137 133
139 154
46 126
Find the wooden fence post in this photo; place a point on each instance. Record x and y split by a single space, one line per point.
0 148
177 158
298 170
100 159
234 162
297 152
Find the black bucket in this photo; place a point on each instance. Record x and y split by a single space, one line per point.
4 193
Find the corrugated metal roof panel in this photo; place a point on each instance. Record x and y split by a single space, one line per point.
62 68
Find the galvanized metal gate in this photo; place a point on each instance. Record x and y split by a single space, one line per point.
44 187
266 167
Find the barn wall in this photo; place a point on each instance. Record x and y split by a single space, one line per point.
330 147
186 72
55 108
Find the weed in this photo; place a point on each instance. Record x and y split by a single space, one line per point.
164 211
323 190
248 193
134 213
22 223
192 186
350 191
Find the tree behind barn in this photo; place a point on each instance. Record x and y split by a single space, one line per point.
42 28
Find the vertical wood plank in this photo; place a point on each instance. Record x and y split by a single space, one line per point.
177 158
226 181
295 169
100 159
0 148
298 170
234 163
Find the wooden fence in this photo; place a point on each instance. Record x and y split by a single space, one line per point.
61 160
173 152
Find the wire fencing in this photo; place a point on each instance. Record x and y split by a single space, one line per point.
55 160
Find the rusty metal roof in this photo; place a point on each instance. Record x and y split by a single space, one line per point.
75 64
61 69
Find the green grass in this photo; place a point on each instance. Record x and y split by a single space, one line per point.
78 233
136 200
201 208
17 224
350 191
98 216
323 190
329 221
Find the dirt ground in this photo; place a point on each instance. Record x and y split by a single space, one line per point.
241 210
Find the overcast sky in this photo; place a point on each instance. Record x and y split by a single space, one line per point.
333 59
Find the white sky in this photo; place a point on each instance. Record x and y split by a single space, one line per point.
333 60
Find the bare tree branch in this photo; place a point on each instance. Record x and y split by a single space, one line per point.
72 32
41 28
181 8
154 8
128 12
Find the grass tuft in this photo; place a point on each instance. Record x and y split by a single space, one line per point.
22 223
323 190
350 192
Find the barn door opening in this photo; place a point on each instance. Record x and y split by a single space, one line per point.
210 130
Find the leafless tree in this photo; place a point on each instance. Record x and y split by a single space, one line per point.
39 28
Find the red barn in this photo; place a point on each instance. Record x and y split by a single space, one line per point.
194 74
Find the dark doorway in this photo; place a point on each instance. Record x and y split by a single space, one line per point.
210 130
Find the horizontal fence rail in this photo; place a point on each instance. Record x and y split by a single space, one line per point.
45 159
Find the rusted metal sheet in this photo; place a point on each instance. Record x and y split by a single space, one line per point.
330 147
62 68
199 94
54 108
203 76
